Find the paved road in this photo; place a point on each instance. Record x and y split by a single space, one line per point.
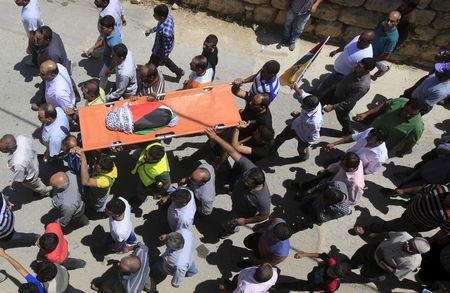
240 56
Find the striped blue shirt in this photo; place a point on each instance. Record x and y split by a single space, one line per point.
270 87
6 219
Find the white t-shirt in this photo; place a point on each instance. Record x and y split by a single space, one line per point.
31 16
371 158
59 91
114 9
248 284
345 63
121 230
182 218
53 134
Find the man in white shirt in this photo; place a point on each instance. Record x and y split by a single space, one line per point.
23 163
358 48
177 260
370 147
122 237
31 19
201 74
126 80
181 211
58 86
256 279
306 125
55 127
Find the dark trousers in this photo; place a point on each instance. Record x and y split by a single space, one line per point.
343 116
364 257
165 61
288 134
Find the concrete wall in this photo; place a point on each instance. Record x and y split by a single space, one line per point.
343 19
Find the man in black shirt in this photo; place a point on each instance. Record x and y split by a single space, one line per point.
257 111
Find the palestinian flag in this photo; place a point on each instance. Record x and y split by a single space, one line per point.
149 117
297 71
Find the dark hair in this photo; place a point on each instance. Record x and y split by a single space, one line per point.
263 273
310 102
266 132
368 63
282 231
48 242
201 62
28 288
212 39
107 21
182 195
120 50
380 134
45 270
156 152
272 67
161 10
49 110
350 160
116 206
92 90
152 70
10 141
254 177
46 32
106 163
265 100
415 104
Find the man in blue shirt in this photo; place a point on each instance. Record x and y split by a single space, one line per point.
386 38
164 40
31 280
270 243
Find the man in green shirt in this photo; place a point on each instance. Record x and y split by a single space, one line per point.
402 120
93 93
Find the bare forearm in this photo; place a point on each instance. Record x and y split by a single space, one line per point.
375 110
344 140
249 79
228 148
256 219
16 265
84 172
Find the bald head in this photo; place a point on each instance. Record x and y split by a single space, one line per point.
48 70
200 176
130 264
365 39
393 19
59 181
8 144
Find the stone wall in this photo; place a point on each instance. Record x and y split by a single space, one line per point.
343 19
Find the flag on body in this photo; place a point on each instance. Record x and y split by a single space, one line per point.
297 71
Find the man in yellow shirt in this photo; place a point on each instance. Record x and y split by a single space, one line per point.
99 183
93 93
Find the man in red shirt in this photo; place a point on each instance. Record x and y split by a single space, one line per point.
325 277
54 248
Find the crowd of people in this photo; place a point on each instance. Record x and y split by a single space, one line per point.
81 192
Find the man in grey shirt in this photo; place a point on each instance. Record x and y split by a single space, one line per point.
126 81
203 183
433 88
348 92
67 199
135 270
23 163
251 197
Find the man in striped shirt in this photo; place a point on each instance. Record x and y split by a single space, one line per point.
428 209
8 236
266 81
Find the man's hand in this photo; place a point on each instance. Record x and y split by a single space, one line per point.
240 221
295 114
333 53
2 252
148 32
164 200
183 181
359 117
328 108
211 133
243 124
151 97
162 238
69 111
238 82
330 146
314 8
124 21
78 152
299 255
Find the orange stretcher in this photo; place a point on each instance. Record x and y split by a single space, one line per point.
197 109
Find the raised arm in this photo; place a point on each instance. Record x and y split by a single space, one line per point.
225 145
17 266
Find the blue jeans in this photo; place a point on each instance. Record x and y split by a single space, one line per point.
294 26
130 241
158 274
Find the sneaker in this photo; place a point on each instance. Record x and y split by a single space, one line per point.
291 47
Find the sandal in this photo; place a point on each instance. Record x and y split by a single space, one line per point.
380 73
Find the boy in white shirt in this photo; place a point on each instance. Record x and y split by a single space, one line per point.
121 236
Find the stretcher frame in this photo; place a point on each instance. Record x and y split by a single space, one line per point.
197 109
